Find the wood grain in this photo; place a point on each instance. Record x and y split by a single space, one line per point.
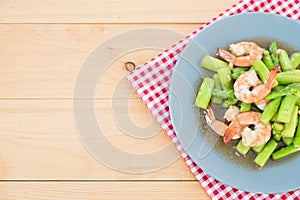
43 45
102 190
116 11
43 61
39 141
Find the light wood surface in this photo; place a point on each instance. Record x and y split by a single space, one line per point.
43 45
110 11
162 190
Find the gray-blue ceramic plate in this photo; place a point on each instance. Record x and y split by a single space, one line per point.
203 146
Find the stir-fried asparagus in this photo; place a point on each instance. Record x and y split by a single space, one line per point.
282 103
225 78
204 94
270 110
290 128
242 149
273 53
284 61
215 99
297 135
285 151
286 108
268 61
283 91
263 156
295 60
213 63
288 77
262 71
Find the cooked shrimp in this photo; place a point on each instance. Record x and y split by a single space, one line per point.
231 113
242 54
261 104
260 134
248 88
216 125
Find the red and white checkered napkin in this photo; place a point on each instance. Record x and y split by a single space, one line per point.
151 81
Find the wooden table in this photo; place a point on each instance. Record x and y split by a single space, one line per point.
42 47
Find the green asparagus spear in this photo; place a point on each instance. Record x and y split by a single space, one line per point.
262 71
276 136
273 53
204 94
290 128
284 61
224 74
237 71
286 108
287 140
288 77
242 149
274 119
224 94
283 91
278 127
245 107
295 60
298 102
258 149
268 61
263 156
236 75
240 69
217 100
284 151
228 102
297 135
213 63
270 110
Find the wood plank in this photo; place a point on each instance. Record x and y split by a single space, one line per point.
117 11
43 61
102 190
38 141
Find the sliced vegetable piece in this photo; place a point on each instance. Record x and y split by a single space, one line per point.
217 100
284 61
258 149
270 110
268 61
297 135
295 59
245 107
213 63
282 91
278 127
288 77
262 71
204 94
286 108
287 140
224 74
273 53
284 151
290 128
242 149
263 156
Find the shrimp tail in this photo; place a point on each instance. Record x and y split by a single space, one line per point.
225 55
217 126
230 131
271 77
209 115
